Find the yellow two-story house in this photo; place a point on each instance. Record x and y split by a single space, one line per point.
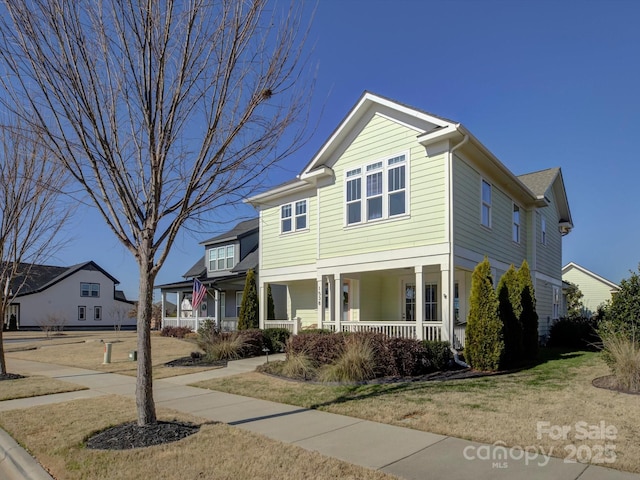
383 227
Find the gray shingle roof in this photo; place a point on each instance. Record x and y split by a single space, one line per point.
539 182
248 262
239 230
197 269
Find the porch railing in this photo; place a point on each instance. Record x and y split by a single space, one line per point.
458 336
432 331
228 324
292 325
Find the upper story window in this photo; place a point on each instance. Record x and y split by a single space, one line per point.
89 289
543 230
222 258
293 216
486 204
385 193
516 223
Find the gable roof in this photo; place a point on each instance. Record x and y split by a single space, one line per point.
572 265
248 262
429 129
199 268
541 182
36 278
241 229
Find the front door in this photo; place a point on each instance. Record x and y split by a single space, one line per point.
12 317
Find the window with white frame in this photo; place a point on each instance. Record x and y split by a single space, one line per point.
431 302
556 303
89 289
385 194
238 303
486 204
543 230
97 313
516 223
222 258
82 313
293 216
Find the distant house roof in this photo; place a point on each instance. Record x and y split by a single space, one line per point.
36 278
571 265
241 229
248 262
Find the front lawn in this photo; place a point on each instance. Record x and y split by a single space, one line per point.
498 408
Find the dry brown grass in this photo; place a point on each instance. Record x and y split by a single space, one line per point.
55 435
502 408
86 351
34 386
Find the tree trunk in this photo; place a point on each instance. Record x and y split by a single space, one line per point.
3 362
144 384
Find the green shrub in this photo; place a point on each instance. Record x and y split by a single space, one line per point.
177 332
299 365
574 333
403 357
249 310
356 362
438 355
315 331
275 339
253 341
622 354
528 316
485 344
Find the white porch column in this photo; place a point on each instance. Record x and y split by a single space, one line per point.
163 309
262 303
320 312
337 301
419 269
446 279
178 309
216 308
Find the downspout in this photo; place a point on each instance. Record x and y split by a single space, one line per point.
452 280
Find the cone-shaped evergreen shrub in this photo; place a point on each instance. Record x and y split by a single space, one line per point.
508 303
485 343
271 308
249 309
528 316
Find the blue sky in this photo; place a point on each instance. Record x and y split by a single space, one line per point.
540 83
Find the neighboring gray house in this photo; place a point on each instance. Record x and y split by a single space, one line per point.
82 296
597 290
223 271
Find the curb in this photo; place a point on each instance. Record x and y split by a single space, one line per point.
16 463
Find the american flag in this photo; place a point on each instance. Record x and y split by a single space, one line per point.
199 293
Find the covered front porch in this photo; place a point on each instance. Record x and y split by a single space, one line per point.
385 301
221 304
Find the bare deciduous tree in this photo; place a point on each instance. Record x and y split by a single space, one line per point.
162 110
31 212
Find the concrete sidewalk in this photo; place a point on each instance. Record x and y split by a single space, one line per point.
403 452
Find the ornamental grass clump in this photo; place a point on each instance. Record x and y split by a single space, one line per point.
356 362
622 354
226 346
298 365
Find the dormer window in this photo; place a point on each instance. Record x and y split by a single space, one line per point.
222 258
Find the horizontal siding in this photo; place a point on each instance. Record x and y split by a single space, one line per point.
550 255
469 233
544 306
593 290
289 249
378 140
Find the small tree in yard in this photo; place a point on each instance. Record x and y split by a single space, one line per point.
162 111
528 316
622 314
484 332
509 309
575 307
249 309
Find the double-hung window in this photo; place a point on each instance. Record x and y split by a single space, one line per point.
82 312
431 302
222 258
516 223
385 193
486 204
97 313
293 216
89 289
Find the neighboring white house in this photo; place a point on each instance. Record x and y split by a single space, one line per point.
82 296
596 289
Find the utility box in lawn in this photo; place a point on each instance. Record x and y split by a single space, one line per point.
133 355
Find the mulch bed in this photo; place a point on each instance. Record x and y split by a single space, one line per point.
10 376
131 435
609 382
195 362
